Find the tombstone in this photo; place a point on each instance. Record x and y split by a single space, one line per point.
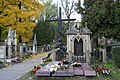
11 42
23 49
34 45
78 42
104 55
3 54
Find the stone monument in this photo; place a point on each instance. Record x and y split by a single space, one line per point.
11 42
78 42
34 45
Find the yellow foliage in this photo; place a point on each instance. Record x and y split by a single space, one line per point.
17 14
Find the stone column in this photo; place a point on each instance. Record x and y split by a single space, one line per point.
87 57
104 55
68 43
21 51
70 56
4 52
15 41
9 51
34 51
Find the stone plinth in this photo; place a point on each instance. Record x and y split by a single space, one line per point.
66 72
78 71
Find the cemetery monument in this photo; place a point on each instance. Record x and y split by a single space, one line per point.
78 42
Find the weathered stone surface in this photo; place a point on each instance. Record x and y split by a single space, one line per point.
45 70
88 71
78 71
84 69
66 72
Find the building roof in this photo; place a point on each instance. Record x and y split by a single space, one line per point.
74 30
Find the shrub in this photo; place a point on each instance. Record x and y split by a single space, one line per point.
116 55
1 62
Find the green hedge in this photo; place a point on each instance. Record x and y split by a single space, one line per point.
116 55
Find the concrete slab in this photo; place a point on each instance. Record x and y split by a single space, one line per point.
88 71
78 71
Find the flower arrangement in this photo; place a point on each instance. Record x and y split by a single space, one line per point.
76 64
102 69
64 61
53 68
36 68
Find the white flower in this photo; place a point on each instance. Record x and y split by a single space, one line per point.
53 68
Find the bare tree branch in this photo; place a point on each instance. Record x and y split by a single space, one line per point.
68 8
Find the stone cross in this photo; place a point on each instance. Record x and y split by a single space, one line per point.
60 22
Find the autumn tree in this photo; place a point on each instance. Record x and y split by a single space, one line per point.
20 15
47 31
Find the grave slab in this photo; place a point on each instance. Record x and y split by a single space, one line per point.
78 71
88 71
64 73
44 71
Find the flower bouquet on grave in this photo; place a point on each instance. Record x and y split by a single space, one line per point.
105 70
36 68
53 68
76 64
65 61
64 67
60 63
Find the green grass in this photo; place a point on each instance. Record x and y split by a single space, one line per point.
115 75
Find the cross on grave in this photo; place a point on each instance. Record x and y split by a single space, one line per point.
60 44
60 23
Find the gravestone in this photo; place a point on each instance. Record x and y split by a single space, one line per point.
34 45
104 55
23 49
78 42
45 71
63 73
88 71
11 42
3 54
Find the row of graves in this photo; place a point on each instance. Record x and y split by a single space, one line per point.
12 51
79 57
77 61
65 68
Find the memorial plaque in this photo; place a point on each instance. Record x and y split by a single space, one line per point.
45 71
88 71
65 72
78 71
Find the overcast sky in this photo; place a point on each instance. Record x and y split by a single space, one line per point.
74 15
